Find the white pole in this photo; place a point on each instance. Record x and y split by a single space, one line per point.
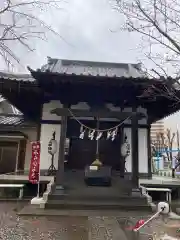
150 219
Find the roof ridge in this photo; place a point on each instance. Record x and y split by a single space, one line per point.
93 68
17 76
63 60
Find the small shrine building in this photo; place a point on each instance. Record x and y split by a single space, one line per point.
89 102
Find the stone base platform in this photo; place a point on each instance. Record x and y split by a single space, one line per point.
76 195
103 199
32 210
125 205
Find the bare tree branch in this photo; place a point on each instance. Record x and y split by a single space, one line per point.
164 142
158 21
20 23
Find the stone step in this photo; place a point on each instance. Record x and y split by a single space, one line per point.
123 205
96 197
90 193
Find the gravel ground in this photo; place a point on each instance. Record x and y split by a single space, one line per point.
13 227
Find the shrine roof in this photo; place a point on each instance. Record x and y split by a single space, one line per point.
94 73
74 81
90 68
16 76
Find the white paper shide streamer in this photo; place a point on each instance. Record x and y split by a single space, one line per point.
82 132
91 134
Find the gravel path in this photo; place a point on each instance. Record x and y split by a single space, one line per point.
13 227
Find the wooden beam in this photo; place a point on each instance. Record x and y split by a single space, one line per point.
98 114
13 127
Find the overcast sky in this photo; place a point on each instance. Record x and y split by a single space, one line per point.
89 30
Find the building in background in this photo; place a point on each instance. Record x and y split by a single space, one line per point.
157 127
16 134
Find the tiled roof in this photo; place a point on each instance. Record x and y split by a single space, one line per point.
87 68
9 114
7 108
2 99
10 120
17 77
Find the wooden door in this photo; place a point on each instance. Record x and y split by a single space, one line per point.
21 154
83 152
8 157
109 153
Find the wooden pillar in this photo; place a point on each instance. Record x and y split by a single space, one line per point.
123 159
61 158
135 153
38 138
149 152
